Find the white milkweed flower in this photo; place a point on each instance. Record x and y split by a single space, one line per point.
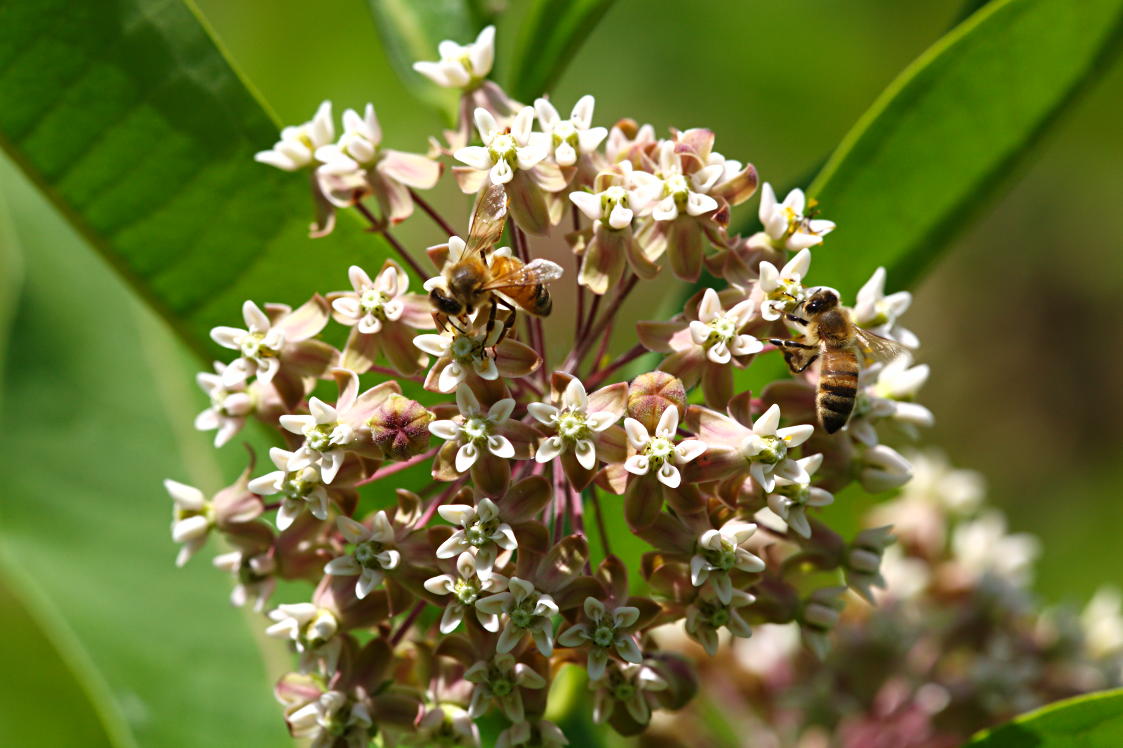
889 398
481 528
253 572
476 430
878 313
527 610
570 138
297 147
785 223
708 614
538 734
464 352
882 468
717 330
672 192
781 291
466 589
372 555
605 631
260 345
329 717
821 612
501 679
611 206
505 149
312 630
790 498
300 489
373 302
574 423
629 684
658 453
1102 623
461 66
192 519
766 449
862 565
721 551
325 439
230 405
982 546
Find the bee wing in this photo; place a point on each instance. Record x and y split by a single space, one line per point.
877 349
488 220
531 274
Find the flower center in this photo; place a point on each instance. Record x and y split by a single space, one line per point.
623 691
521 617
771 449
299 484
604 636
319 437
476 429
253 346
372 302
571 424
479 533
723 558
366 554
466 590
464 349
501 686
503 147
658 450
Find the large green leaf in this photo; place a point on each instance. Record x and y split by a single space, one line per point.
550 35
99 401
1090 721
947 133
412 29
130 120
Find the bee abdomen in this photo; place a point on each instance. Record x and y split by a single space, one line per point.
543 304
838 388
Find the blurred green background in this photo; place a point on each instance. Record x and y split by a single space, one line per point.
1019 321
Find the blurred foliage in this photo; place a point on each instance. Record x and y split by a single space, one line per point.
99 383
1093 721
549 37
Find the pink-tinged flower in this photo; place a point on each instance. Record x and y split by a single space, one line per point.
790 497
708 614
230 405
887 396
466 589
278 342
373 553
525 610
570 138
312 630
461 66
460 356
358 166
576 424
331 718
604 632
481 529
610 244
878 313
786 224
253 571
740 447
299 489
629 142
703 342
630 685
474 431
297 147
194 516
445 725
501 681
721 551
657 453
779 292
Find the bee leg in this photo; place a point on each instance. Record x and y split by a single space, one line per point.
797 319
508 323
798 356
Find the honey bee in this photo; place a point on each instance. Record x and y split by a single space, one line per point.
835 341
474 279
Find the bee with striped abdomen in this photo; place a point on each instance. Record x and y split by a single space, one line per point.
841 348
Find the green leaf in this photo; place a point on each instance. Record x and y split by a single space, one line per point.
412 29
549 37
129 118
102 400
1090 721
946 135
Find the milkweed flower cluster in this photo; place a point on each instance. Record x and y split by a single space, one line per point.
466 596
955 643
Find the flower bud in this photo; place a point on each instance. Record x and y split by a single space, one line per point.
399 427
652 393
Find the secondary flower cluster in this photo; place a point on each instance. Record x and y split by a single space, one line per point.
468 594
955 644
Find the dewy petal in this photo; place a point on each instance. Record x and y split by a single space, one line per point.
466 457
485 124
542 412
474 156
587 203
445 429
501 446
637 433
668 423
768 421
549 449
698 204
586 453
669 475
547 114
797 266
793 436
690 449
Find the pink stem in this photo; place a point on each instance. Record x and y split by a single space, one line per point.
404 627
398 466
432 213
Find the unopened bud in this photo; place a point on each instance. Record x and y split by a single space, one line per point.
652 393
399 427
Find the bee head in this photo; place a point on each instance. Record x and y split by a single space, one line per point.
444 303
822 300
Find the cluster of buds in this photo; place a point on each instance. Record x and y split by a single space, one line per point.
468 595
955 643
